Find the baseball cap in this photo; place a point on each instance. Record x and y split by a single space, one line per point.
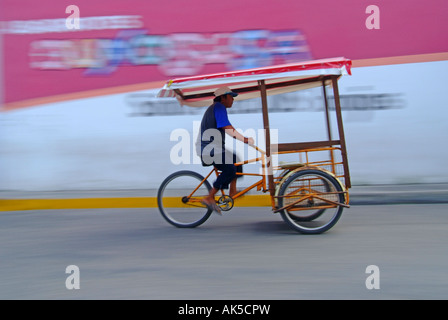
225 90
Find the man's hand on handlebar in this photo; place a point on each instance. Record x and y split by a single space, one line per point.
249 141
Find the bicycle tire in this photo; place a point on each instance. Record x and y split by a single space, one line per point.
174 203
313 184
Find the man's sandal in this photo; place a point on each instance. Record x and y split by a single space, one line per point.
212 206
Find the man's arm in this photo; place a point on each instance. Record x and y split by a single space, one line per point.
230 130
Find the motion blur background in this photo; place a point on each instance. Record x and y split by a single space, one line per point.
78 106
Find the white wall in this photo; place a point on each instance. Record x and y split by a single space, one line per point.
101 144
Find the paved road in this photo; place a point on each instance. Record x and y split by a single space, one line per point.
248 254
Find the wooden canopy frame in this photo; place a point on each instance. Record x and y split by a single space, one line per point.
198 91
298 146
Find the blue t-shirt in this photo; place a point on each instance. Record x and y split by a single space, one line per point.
213 141
221 117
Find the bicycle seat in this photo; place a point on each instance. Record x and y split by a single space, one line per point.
290 165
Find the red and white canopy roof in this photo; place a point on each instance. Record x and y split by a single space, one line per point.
197 91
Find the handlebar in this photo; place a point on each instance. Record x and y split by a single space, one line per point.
256 148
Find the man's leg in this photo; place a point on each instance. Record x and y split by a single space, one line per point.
226 177
211 196
209 201
231 157
233 190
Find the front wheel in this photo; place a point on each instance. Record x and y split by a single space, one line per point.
312 200
179 199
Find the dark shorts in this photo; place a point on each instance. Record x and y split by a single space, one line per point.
228 170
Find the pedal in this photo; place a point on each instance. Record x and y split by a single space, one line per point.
225 203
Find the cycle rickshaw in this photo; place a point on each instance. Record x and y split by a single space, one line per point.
309 194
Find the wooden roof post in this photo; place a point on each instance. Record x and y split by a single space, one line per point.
264 106
337 103
327 113
327 117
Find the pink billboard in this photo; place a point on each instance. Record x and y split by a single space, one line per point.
55 50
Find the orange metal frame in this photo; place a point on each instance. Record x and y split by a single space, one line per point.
262 183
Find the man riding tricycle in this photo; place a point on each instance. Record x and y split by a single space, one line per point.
309 193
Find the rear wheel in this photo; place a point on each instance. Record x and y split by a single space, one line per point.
311 200
180 202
